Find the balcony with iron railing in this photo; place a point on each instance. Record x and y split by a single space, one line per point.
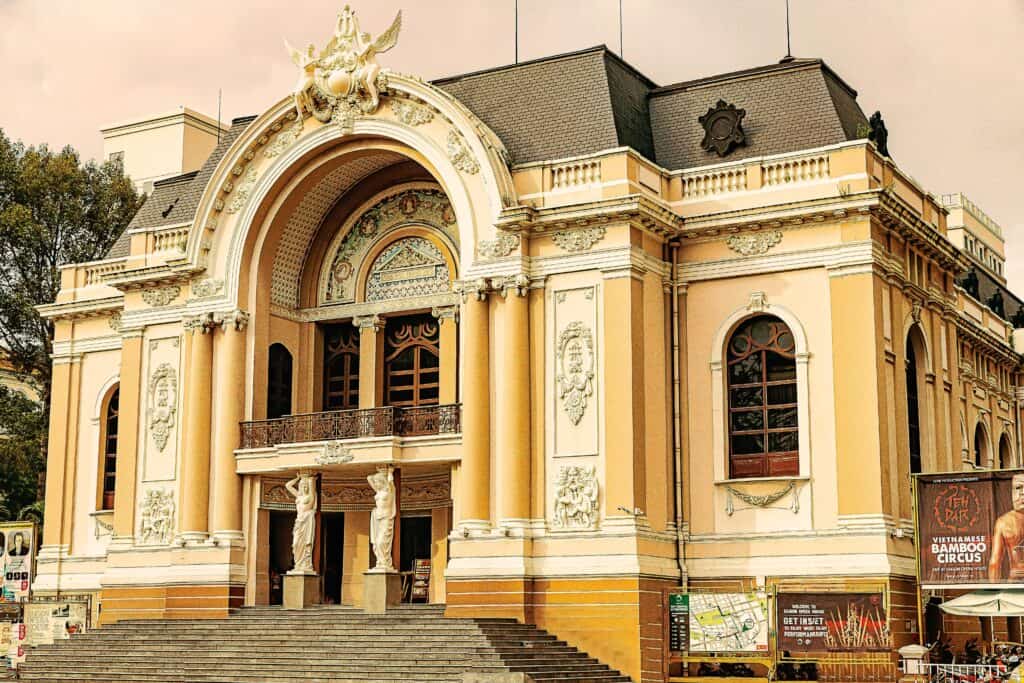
352 424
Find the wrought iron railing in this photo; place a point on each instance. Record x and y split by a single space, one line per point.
352 424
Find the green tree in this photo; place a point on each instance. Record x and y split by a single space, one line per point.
54 210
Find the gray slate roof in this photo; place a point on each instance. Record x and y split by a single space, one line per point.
588 101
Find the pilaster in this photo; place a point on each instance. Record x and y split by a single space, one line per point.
448 337
513 423
128 425
371 359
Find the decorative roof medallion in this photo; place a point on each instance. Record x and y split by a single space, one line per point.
344 80
723 128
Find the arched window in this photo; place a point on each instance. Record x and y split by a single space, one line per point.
980 446
108 447
913 414
763 431
1005 454
411 361
341 367
279 381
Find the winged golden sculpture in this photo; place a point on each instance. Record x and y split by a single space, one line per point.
345 75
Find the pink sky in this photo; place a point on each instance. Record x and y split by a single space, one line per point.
945 73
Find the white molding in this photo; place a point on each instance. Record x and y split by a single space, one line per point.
71 347
861 254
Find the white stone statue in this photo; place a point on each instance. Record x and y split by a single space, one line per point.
303 487
576 494
382 519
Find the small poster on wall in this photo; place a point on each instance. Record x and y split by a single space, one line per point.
17 543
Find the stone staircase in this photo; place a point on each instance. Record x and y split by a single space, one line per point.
319 645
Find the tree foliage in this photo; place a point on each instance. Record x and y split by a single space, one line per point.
54 210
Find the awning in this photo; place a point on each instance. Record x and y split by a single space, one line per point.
987 603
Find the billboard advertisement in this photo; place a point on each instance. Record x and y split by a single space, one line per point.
832 622
971 528
17 543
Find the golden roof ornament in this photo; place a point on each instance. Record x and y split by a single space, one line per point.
344 80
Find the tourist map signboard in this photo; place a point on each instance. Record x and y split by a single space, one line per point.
971 528
719 622
831 622
17 543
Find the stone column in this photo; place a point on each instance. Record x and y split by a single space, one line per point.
229 345
474 482
128 432
371 360
195 465
448 333
513 428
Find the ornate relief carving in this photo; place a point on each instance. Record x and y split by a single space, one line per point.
163 400
103 527
412 266
460 155
344 81
206 288
161 296
758 302
753 243
517 285
764 500
476 289
410 113
241 195
334 454
284 139
575 371
157 518
114 321
578 240
430 207
500 246
576 497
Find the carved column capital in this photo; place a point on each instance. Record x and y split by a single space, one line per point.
203 323
443 313
236 320
476 289
518 285
366 322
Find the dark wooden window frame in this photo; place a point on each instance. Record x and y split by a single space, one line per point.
341 367
419 335
108 462
782 343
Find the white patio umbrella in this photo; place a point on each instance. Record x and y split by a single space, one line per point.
987 603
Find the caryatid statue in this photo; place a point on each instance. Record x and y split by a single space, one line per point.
303 487
382 519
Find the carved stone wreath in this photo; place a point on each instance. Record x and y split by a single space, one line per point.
334 454
763 500
163 399
754 243
410 113
578 240
575 376
206 288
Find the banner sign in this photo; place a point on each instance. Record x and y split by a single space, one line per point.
718 622
971 528
47 622
17 543
832 622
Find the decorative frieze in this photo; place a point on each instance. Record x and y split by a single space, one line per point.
161 296
460 155
754 243
411 266
334 453
578 240
576 493
156 525
575 373
163 400
242 192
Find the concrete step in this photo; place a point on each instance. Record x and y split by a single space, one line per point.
327 644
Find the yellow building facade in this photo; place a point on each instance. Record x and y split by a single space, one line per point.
604 358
